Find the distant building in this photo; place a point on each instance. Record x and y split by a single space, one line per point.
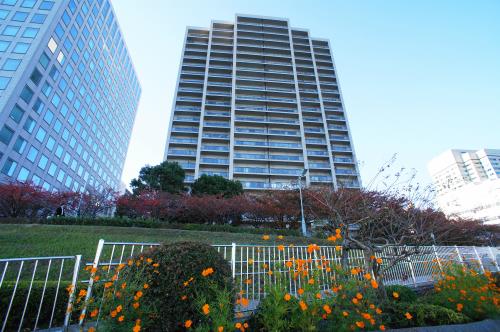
68 94
258 101
468 183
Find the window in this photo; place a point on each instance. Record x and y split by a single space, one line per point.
49 116
59 151
57 126
9 2
44 60
28 3
19 145
3 14
9 167
59 31
36 76
16 114
29 124
4 81
51 142
46 89
52 169
30 32
23 174
32 153
52 45
38 18
63 84
68 182
40 135
21 48
19 16
42 163
11 64
46 5
26 94
66 158
10 30
4 45
36 180
60 176
54 73
38 106
6 134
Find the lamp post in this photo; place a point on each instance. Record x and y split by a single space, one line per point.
303 222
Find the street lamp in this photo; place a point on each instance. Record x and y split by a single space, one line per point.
303 222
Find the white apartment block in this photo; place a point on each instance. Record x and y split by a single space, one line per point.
468 183
259 101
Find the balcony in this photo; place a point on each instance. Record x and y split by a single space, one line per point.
215 136
340 171
319 165
183 140
315 141
177 152
186 118
341 148
316 178
263 185
317 153
268 144
185 129
187 109
216 124
217 148
214 161
211 173
339 138
343 160
267 132
337 127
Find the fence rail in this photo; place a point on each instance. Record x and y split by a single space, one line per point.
37 287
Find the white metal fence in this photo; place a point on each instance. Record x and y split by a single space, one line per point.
253 267
33 292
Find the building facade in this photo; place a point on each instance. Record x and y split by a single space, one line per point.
259 101
467 183
68 94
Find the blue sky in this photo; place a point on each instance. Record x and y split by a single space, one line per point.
418 77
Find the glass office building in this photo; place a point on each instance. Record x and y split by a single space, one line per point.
68 94
259 101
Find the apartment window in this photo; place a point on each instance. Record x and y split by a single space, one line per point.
10 30
36 76
9 2
3 14
29 125
46 5
4 45
23 174
21 48
59 31
26 94
44 60
40 135
19 16
6 134
51 142
16 114
38 106
42 163
30 32
4 81
60 175
36 180
19 145
46 89
28 3
9 167
52 169
11 64
32 153
49 116
38 18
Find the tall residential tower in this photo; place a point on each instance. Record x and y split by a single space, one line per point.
68 94
258 101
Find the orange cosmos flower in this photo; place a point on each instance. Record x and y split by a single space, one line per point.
91 329
361 325
244 302
82 292
345 313
382 328
207 272
395 295
359 296
460 306
338 248
248 281
206 309
188 323
287 297
303 305
367 276
327 309
108 284
318 296
408 315
136 328
121 318
379 260
156 265
135 305
113 313
281 247
355 301
220 329
237 325
94 313
119 308
374 283
300 291
378 311
354 271
124 285
146 286
366 316
310 281
289 264
265 237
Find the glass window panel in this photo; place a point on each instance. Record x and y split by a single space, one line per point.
23 174
51 142
36 76
19 16
11 64
4 45
6 134
21 48
32 153
19 145
28 3
9 167
52 169
10 30
16 114
4 81
29 124
46 5
30 32
42 163
40 135
38 18
26 94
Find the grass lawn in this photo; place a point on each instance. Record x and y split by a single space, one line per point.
32 240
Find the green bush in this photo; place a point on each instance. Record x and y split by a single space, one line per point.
17 308
178 285
406 294
422 314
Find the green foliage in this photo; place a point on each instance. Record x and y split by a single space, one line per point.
422 314
406 294
167 176
179 283
465 290
216 185
33 304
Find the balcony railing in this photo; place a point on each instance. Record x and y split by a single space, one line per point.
215 161
176 152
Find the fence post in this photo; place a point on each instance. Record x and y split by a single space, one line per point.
437 258
412 273
233 259
494 259
479 259
74 279
95 265
459 256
